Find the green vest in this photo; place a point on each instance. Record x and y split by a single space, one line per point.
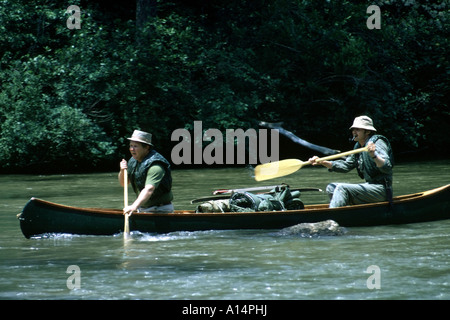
138 174
372 170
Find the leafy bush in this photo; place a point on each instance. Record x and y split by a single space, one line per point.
69 98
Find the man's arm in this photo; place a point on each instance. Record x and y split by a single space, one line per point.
143 197
154 176
338 165
326 164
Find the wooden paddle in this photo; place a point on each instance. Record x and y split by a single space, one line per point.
126 227
281 168
264 188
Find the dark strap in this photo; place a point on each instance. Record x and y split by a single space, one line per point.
389 192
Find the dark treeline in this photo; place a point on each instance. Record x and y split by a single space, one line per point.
70 97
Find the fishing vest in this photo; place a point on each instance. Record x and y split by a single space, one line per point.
138 174
374 175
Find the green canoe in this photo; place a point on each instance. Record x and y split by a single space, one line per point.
40 217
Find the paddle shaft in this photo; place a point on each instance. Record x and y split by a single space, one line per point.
225 191
343 154
126 227
125 188
231 191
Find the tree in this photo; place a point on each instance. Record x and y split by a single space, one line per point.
161 65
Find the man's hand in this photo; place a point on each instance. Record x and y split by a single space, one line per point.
123 164
313 160
371 149
123 167
129 210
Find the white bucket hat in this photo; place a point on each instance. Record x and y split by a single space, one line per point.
363 122
141 136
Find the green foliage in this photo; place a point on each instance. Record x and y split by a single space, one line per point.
70 97
39 134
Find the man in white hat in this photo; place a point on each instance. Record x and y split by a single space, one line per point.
375 166
149 175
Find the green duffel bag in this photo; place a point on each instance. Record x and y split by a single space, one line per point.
278 200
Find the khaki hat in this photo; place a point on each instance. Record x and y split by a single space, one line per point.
141 136
363 122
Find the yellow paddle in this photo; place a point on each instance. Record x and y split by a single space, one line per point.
282 168
126 227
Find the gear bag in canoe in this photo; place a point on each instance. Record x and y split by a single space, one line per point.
278 200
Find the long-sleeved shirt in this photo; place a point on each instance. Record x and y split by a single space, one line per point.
367 166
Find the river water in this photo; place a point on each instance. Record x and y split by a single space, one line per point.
388 262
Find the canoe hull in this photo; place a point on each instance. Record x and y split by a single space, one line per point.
39 216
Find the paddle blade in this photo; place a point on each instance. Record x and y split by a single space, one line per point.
277 169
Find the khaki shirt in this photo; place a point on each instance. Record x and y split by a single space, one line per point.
372 173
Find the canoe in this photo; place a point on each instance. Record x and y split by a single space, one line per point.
40 217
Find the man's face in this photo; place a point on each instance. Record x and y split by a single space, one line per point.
360 135
138 150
